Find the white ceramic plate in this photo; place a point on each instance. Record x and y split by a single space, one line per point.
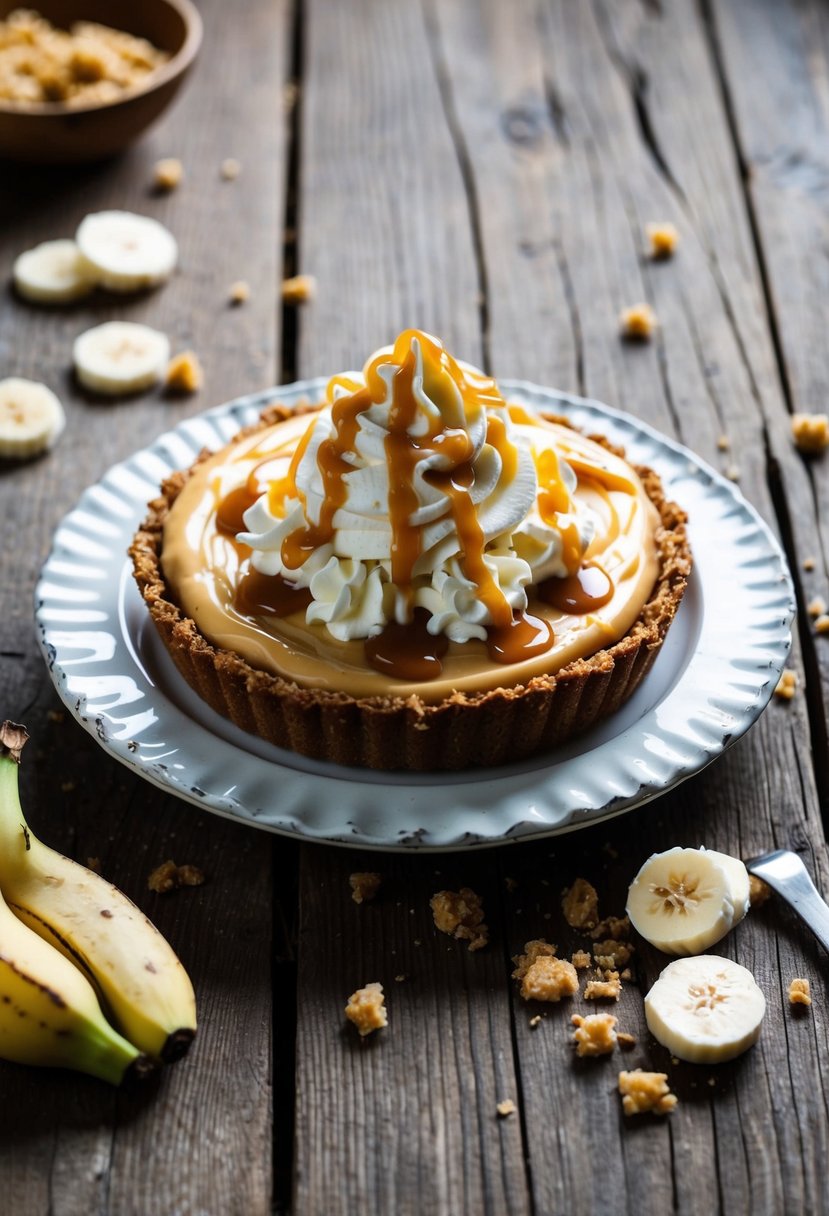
712 679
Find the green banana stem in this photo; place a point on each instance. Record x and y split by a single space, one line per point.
15 837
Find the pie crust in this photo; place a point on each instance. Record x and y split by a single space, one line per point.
461 731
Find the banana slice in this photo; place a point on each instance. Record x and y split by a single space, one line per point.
682 901
120 357
705 1009
53 273
126 252
31 418
738 882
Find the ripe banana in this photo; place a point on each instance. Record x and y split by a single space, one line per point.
705 1009
120 357
49 1013
52 273
126 252
684 900
31 418
144 986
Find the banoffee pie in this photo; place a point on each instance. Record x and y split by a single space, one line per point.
416 573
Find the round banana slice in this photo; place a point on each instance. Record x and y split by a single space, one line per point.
126 252
31 418
681 901
120 357
53 273
705 1009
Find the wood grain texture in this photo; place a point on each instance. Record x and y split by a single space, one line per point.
199 1140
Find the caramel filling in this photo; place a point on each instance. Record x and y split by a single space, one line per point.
263 619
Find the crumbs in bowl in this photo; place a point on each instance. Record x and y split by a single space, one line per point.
88 64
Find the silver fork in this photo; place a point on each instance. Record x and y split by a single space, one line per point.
787 875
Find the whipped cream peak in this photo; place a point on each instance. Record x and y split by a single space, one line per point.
415 486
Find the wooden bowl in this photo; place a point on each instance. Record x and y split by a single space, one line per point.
52 133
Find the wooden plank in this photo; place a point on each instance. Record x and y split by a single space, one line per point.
555 106
200 1140
407 1121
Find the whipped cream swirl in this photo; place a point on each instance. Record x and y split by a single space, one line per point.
414 466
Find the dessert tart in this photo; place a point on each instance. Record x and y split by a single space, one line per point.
415 573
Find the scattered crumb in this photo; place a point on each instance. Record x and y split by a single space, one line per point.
822 623
536 1021
626 974
799 993
239 292
625 1041
67 786
724 443
809 563
94 864
594 1035
617 927
644 1091
663 238
581 959
758 891
607 989
184 373
712 1081
230 169
364 885
169 876
507 1107
817 606
511 884
299 289
533 950
290 92
580 905
168 174
366 1009
810 432
786 685
398 979
637 323
55 715
460 914
612 953
549 979
733 472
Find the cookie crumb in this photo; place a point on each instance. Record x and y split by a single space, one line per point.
663 238
168 876
366 1009
168 174
461 915
184 373
55 715
822 623
637 323
230 169
507 1107
626 1041
799 992
580 904
239 292
723 443
364 885
646 1091
607 989
536 1021
809 563
733 472
758 891
581 959
299 289
810 432
549 979
594 1035
787 685
535 949
617 927
817 606
612 953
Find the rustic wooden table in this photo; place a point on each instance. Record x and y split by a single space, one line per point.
483 170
